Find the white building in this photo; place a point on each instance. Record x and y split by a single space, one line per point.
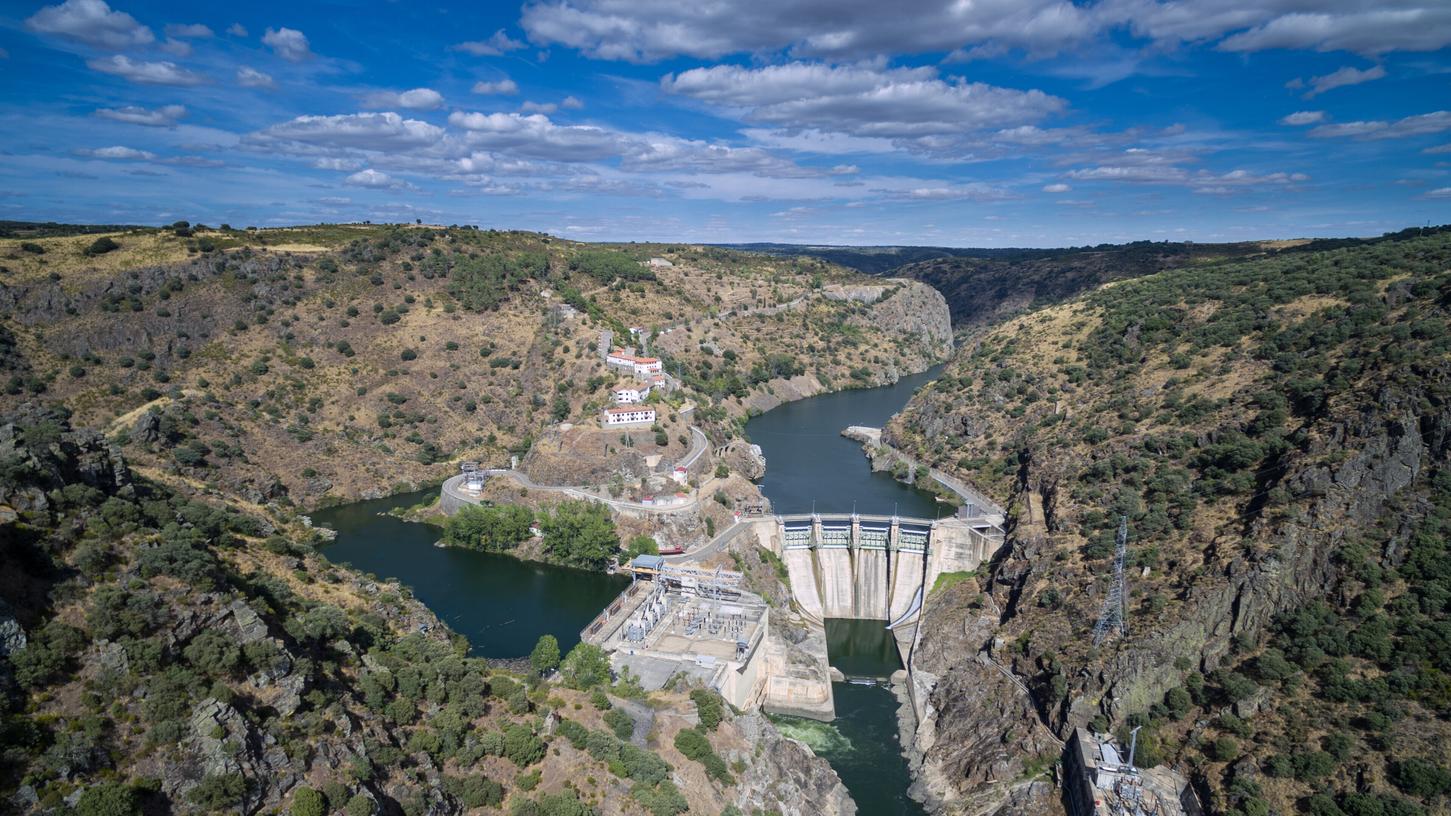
622 415
630 394
641 367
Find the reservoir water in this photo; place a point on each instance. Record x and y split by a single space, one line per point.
501 604
811 466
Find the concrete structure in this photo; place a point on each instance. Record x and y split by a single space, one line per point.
630 394
675 620
625 415
874 567
1099 780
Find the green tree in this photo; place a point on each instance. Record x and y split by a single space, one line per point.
309 802
108 799
641 545
580 534
545 657
585 667
493 529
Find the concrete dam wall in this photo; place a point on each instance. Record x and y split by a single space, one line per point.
872 567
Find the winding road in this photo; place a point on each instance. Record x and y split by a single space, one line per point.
453 488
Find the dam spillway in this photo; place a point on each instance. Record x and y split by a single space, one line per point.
872 567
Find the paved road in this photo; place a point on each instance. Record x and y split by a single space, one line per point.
699 444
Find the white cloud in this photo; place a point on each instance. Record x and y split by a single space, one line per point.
861 100
571 103
537 137
1202 181
176 48
503 87
373 179
119 153
1394 25
649 30
252 78
416 99
1299 118
91 22
1434 122
164 116
845 170
1344 77
146 73
237 30
1437 150
338 164
538 107
971 191
360 131
1057 188
194 30
495 46
288 43
1440 192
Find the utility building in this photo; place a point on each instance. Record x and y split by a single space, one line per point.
1101 781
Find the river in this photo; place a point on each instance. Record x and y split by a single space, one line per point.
502 604
810 465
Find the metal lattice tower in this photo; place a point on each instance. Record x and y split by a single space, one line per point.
1113 617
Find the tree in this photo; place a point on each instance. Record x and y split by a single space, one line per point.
579 534
545 657
493 529
585 667
641 545
108 799
309 802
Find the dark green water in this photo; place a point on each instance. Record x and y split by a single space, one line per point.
809 463
861 648
501 604
862 743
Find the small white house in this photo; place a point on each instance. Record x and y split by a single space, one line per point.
659 263
630 394
629 415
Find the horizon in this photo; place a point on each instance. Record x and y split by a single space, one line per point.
1032 125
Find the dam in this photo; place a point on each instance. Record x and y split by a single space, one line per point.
872 567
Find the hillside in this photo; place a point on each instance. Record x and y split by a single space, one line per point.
323 363
164 654
1275 431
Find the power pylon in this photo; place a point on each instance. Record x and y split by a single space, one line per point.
1114 616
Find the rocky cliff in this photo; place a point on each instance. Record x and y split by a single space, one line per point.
1274 432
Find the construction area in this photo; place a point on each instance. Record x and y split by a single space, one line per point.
681 620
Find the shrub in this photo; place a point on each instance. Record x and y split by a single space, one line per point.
359 805
620 723
309 802
708 706
101 246
108 799
218 791
521 746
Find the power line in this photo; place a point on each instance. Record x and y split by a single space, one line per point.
1114 616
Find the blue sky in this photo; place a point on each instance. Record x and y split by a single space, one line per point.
968 123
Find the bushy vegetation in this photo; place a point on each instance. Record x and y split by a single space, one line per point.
493 528
580 534
1213 406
